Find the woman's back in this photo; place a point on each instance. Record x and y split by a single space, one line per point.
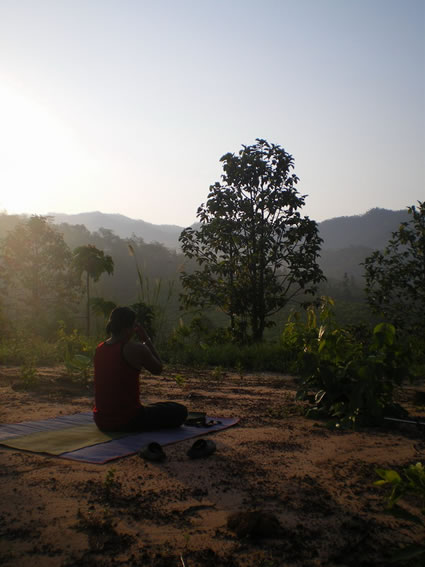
116 383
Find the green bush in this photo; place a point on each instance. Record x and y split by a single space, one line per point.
353 381
184 349
410 481
76 352
23 348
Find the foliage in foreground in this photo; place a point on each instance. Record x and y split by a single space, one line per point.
348 374
411 481
76 352
72 349
26 349
259 357
199 344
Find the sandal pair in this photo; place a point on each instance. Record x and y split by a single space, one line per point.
201 448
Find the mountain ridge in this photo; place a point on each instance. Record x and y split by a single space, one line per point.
371 229
123 226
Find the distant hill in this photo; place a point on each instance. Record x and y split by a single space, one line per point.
123 226
347 240
371 230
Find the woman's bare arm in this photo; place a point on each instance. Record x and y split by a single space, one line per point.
139 356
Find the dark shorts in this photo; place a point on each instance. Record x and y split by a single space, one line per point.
160 415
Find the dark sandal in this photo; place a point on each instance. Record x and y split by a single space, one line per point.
201 448
153 452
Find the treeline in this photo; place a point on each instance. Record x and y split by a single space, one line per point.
158 266
36 265
248 261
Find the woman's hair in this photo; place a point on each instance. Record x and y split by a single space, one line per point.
119 319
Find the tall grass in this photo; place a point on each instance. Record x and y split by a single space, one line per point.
155 294
271 357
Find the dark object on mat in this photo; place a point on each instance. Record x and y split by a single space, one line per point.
196 418
152 452
201 448
254 524
199 419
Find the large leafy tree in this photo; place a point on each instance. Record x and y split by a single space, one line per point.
395 277
253 251
38 272
93 262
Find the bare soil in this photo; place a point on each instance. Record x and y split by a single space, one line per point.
281 490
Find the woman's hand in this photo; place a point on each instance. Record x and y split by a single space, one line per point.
141 332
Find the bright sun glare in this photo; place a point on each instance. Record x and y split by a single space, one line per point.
35 149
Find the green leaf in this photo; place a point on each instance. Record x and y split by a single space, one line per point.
388 475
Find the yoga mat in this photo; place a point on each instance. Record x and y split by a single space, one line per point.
61 441
76 437
9 430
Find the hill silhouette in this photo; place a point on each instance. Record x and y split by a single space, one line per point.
123 226
371 230
347 240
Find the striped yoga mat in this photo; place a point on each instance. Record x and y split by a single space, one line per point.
76 437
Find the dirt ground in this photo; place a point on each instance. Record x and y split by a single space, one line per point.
281 490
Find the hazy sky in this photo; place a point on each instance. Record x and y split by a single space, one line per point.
126 106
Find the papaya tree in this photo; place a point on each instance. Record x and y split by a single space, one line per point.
93 262
253 251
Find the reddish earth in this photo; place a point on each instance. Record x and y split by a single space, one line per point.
281 490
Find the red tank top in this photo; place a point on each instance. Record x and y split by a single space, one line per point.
116 387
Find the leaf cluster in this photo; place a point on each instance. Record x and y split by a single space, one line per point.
93 261
76 352
351 379
411 481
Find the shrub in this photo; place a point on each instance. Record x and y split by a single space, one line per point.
410 481
353 381
189 346
23 348
76 351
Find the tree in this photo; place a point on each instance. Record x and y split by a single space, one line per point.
395 277
102 307
253 250
94 263
39 275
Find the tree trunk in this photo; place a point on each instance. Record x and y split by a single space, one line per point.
257 327
88 305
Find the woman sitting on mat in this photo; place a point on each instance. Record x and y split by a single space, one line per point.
117 364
